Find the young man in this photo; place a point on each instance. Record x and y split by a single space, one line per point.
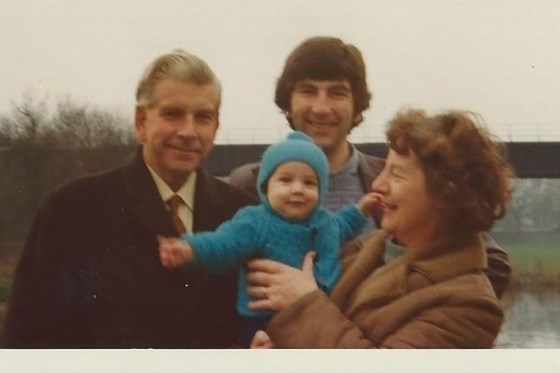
323 92
90 275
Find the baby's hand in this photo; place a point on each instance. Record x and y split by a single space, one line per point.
371 204
173 252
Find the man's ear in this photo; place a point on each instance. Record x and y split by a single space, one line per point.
358 118
288 116
140 123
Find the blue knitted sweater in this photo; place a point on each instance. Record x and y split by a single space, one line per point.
258 232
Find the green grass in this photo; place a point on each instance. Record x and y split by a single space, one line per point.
530 252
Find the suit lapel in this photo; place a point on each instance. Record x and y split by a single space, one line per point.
144 200
148 208
207 203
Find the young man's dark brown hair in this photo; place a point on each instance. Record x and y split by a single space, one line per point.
324 58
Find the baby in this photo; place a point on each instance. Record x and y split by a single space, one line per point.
290 221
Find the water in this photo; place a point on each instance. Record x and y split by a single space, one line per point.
532 321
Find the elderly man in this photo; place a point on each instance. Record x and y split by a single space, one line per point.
90 274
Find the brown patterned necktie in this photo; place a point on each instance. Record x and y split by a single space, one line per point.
173 204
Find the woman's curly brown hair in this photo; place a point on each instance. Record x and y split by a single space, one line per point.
466 169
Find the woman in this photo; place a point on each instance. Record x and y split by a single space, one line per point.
418 281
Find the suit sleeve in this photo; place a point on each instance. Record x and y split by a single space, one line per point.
499 269
42 312
245 177
230 245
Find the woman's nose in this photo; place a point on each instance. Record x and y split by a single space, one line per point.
379 184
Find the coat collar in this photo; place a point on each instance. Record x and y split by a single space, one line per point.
144 199
149 209
208 203
453 256
366 279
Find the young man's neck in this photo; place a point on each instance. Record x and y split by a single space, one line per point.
338 156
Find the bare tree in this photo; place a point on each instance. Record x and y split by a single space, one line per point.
39 150
535 206
81 126
26 124
8 129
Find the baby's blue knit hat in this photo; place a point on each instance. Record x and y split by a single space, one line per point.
297 147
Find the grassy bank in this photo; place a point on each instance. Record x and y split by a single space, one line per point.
532 251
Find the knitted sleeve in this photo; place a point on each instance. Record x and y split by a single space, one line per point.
230 245
351 222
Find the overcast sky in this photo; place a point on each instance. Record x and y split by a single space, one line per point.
500 58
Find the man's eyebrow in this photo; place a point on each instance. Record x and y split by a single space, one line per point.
206 111
340 86
171 108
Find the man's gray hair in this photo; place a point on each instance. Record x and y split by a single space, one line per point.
178 65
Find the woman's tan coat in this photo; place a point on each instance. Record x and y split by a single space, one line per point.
436 298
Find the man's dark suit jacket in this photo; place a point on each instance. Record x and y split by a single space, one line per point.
90 274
